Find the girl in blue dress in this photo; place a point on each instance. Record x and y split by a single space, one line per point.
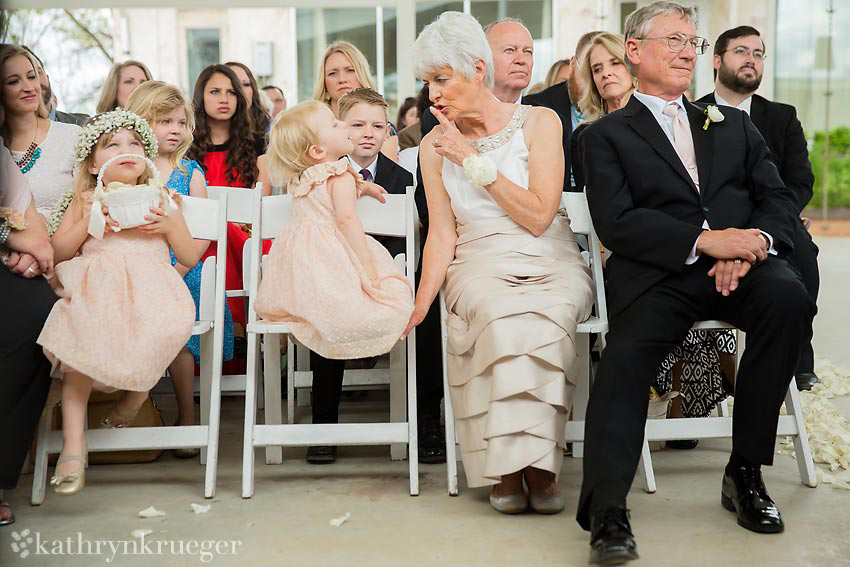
171 119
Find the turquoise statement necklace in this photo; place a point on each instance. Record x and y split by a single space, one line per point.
32 154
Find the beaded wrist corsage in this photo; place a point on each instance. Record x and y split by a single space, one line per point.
480 170
10 219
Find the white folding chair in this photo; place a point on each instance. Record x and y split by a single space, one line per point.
720 427
395 218
206 219
239 207
379 219
575 206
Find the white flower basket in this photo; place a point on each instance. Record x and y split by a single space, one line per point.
128 204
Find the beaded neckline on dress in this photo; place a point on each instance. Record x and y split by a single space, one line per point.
503 136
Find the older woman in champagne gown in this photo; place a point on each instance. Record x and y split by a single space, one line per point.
515 283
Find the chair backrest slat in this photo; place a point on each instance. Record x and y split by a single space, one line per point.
578 212
202 217
239 201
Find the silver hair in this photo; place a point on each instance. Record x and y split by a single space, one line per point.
639 22
492 25
453 40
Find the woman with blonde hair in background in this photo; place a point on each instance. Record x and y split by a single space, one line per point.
342 69
122 80
558 73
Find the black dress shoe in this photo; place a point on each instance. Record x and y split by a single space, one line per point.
805 380
321 455
683 444
744 492
432 443
611 538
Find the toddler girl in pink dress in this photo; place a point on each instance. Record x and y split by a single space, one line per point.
124 312
338 288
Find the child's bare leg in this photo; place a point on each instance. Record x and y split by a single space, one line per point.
182 372
76 389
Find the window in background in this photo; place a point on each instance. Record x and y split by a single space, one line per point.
800 67
203 48
317 28
626 8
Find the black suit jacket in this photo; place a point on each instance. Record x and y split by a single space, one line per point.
645 206
784 135
71 118
395 179
557 97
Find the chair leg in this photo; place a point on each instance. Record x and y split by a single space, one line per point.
302 395
582 388
250 417
645 469
271 389
213 426
802 450
206 346
399 368
39 479
412 413
290 381
451 438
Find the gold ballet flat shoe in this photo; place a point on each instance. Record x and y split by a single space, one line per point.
66 485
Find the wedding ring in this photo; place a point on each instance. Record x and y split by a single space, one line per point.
436 143
737 261
30 270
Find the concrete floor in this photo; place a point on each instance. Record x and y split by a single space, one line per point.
287 520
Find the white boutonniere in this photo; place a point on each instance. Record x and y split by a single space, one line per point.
712 114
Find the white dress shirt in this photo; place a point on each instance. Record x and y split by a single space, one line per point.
745 105
656 106
372 167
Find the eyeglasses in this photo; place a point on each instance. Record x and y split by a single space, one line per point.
742 51
678 42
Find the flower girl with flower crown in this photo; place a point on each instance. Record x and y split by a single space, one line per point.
124 311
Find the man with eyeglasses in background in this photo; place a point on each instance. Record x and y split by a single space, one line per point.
699 222
739 56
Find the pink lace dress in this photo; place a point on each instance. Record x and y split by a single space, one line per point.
123 315
314 281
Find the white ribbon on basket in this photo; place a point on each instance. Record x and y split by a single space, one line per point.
146 195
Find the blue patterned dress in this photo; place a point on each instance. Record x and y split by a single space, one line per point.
179 181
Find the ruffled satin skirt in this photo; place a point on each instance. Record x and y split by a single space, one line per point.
513 303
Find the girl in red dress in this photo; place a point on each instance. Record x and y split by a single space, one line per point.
227 150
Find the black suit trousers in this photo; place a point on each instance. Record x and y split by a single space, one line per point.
805 259
771 305
24 371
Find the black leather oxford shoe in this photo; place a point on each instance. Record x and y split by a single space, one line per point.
744 493
611 538
805 380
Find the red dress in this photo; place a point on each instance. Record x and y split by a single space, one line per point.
236 237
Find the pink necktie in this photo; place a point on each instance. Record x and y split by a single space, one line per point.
683 142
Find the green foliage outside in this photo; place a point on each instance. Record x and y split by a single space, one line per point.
839 168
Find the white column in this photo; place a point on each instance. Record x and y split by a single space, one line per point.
405 36
379 46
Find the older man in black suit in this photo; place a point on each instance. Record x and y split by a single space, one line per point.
699 223
739 56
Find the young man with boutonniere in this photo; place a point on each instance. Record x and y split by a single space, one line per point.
700 224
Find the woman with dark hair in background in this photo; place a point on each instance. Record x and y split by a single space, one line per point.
407 114
257 112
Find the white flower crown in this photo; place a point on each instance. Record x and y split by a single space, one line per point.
113 120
